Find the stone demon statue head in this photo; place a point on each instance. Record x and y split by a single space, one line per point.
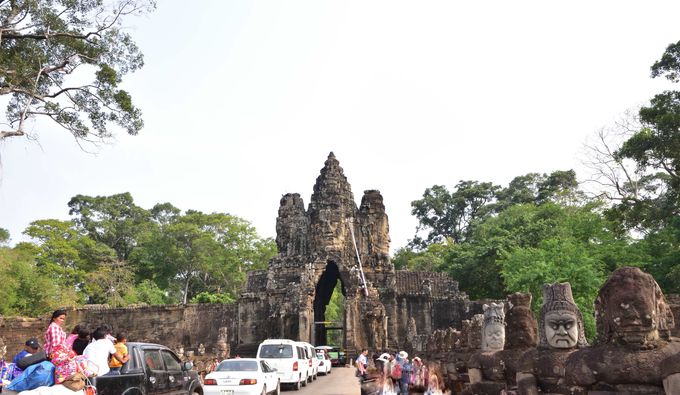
561 321
631 310
493 331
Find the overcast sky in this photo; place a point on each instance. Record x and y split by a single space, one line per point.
244 100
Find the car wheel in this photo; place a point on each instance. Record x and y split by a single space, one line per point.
296 386
304 382
264 390
278 388
329 371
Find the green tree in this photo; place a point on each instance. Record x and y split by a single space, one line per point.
556 260
149 292
63 253
655 148
49 47
479 264
112 283
454 215
335 312
4 237
430 259
115 221
443 214
26 290
197 252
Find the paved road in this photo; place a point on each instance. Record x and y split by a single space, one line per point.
340 382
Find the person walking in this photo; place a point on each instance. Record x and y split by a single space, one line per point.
406 370
361 364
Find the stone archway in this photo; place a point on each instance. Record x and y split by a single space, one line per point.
322 296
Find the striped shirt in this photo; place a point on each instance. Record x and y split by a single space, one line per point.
54 336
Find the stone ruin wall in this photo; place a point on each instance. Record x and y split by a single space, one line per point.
182 328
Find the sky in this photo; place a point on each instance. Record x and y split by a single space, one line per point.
243 101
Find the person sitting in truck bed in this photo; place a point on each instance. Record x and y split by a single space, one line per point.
99 350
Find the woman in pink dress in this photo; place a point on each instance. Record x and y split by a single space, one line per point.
55 335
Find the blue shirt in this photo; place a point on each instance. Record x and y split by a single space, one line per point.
406 369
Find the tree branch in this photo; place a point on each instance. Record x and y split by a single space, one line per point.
11 133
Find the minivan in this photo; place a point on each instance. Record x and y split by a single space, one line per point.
288 358
312 361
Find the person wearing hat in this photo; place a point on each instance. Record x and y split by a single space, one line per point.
382 363
30 347
406 369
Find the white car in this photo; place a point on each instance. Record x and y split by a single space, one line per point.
324 363
288 358
242 376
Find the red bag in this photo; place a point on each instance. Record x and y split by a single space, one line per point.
89 388
396 371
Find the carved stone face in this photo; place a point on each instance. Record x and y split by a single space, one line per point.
561 329
494 337
633 317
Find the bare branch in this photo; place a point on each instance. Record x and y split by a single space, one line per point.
11 133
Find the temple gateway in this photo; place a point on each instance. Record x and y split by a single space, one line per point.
330 241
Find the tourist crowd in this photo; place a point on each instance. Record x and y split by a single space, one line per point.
395 374
75 357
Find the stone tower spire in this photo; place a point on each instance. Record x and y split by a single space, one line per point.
292 226
331 205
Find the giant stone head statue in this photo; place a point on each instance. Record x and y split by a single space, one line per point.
561 322
630 309
493 331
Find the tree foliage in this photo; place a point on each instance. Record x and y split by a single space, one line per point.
48 48
445 214
454 215
117 253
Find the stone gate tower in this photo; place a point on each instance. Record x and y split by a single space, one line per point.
317 249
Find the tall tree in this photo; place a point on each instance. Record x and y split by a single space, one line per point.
48 48
453 215
198 252
655 149
443 214
115 221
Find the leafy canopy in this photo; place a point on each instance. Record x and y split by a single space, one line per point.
48 48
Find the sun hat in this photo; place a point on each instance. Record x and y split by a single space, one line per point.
403 354
385 356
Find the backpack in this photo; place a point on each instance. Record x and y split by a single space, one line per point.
38 375
396 371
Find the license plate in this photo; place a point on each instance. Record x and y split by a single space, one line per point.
226 392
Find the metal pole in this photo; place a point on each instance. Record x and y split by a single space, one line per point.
350 223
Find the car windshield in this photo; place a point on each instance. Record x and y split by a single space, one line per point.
237 366
276 351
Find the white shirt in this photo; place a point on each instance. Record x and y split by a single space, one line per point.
363 361
98 353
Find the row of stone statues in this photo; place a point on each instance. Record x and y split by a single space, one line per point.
633 353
